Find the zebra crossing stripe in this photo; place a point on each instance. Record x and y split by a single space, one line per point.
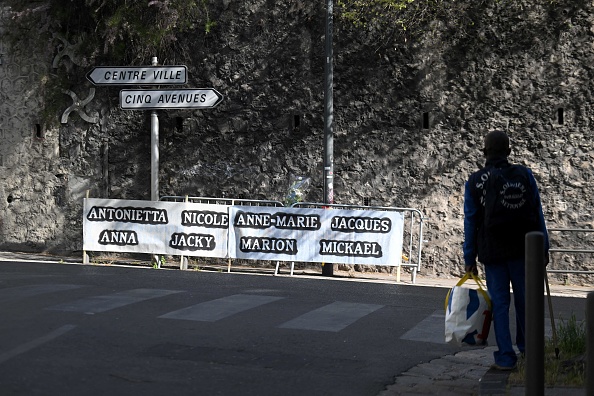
16 293
430 329
97 304
19 350
211 311
332 317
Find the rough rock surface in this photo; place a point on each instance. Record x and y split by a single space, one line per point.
409 121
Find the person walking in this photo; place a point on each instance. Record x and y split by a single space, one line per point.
501 204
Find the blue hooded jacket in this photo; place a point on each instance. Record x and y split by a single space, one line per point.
474 244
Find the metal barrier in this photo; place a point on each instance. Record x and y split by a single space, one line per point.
411 253
221 201
183 265
570 250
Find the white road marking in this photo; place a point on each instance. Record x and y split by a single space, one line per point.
432 329
16 293
211 311
332 317
97 304
35 343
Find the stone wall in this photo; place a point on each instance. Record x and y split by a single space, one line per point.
32 196
409 120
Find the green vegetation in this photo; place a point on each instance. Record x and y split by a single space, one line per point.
572 336
132 30
404 19
386 22
158 261
135 30
364 12
569 368
94 32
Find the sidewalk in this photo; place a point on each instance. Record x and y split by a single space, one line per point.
556 289
468 372
465 373
455 375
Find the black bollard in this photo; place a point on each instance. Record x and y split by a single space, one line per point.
535 340
590 345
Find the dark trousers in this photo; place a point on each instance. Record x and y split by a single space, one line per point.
499 276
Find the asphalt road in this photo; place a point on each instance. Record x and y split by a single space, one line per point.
71 329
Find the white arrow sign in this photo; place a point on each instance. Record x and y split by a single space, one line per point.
131 99
142 75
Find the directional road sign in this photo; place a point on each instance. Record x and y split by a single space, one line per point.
142 75
202 98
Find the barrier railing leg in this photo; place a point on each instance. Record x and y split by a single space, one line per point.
535 267
590 344
183 263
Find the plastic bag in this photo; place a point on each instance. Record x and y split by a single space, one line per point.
468 313
297 190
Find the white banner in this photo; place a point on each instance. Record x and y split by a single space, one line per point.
248 232
175 228
316 235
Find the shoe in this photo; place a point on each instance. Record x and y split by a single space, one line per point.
504 368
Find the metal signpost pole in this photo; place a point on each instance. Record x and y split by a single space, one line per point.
154 151
154 156
328 268
132 99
